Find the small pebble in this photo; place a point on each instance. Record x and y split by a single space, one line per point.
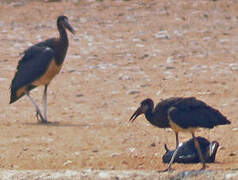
67 162
132 92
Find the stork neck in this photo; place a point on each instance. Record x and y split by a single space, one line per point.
62 46
149 115
63 34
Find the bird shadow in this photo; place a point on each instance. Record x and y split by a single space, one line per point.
57 124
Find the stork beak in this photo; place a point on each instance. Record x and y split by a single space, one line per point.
213 148
136 114
166 148
69 27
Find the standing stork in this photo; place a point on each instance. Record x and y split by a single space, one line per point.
39 65
181 115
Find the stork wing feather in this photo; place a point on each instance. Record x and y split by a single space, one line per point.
35 50
33 65
193 113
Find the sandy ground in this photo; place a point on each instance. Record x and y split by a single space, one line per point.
123 52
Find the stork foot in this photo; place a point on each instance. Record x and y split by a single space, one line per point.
44 121
49 123
203 167
39 117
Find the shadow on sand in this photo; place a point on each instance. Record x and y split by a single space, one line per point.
57 124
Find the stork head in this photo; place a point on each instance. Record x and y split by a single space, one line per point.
63 21
145 105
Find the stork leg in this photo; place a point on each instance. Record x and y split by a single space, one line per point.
196 144
38 112
173 157
44 101
177 140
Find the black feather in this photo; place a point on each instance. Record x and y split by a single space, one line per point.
190 112
160 113
187 112
32 66
187 153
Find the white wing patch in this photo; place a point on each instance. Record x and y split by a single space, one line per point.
48 48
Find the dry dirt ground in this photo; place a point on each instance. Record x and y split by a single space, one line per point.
123 52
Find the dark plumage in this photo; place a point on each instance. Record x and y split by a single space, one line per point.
181 114
187 153
39 65
32 66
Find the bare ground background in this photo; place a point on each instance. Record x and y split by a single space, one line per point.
123 52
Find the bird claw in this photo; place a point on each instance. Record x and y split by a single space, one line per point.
45 122
203 168
40 118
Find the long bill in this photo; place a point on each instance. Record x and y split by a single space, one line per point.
69 27
213 149
136 114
